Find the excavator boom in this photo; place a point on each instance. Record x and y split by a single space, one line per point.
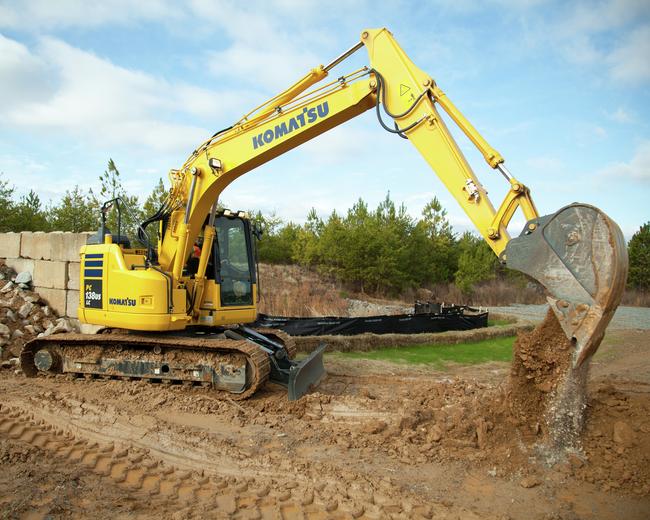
578 254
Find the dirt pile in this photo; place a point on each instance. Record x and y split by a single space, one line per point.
546 391
23 315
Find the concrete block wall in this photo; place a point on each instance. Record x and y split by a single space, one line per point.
53 261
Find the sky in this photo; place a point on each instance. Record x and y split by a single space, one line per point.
560 88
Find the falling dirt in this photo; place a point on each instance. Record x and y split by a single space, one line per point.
546 387
540 360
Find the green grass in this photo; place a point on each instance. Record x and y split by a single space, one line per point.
498 349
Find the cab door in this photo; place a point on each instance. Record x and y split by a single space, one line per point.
234 263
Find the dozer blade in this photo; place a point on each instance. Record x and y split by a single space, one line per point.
305 374
578 254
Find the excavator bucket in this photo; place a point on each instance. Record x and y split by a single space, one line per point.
306 374
578 254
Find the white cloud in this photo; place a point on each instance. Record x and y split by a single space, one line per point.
621 115
23 163
342 145
589 17
96 100
472 6
264 47
580 49
24 76
630 61
33 15
275 65
587 33
600 132
638 168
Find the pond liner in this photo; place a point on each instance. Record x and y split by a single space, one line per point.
448 318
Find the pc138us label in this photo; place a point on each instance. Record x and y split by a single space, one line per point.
93 294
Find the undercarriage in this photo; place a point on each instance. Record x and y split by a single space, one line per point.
235 361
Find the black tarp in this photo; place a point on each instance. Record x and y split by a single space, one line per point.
399 324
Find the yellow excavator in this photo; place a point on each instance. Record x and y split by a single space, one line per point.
173 313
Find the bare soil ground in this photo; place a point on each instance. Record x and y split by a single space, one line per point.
376 440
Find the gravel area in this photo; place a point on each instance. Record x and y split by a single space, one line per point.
625 317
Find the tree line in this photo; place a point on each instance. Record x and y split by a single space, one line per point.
380 251
78 210
386 251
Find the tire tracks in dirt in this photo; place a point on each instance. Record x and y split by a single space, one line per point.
143 474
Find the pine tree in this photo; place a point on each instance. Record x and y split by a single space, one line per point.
639 255
29 215
151 205
441 250
6 204
130 214
476 263
76 212
156 199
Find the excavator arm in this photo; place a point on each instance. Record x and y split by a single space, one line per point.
173 318
578 253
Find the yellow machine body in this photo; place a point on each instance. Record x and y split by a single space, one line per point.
118 292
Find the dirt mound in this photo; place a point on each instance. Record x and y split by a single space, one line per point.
546 390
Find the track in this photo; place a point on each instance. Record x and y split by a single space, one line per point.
183 350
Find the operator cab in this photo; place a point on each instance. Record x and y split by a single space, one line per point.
233 259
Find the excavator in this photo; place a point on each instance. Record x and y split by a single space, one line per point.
175 312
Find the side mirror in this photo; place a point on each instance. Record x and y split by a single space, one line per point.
257 231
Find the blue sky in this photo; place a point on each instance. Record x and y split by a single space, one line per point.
561 89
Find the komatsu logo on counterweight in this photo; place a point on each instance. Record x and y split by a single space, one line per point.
308 116
129 302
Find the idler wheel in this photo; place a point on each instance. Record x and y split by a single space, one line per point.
46 360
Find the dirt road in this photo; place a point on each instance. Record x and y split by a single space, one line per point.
626 318
375 441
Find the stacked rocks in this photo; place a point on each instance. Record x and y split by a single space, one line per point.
24 315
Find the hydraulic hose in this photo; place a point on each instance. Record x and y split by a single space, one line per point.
381 97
